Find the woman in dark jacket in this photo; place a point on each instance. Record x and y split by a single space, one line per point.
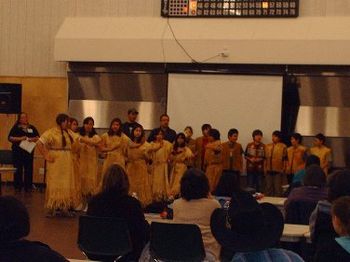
23 160
114 201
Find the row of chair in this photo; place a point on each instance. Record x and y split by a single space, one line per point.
108 239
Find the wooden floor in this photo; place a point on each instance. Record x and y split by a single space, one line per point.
59 233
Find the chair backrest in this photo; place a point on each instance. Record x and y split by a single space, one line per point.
103 237
6 157
299 212
176 242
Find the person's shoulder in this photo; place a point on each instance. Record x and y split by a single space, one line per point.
237 144
125 137
326 149
104 135
225 144
283 253
167 143
282 145
269 145
210 202
129 202
97 199
38 250
250 143
332 251
301 147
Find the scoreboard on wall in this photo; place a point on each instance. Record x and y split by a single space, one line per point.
230 8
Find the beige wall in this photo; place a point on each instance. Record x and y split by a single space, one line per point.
42 99
28 27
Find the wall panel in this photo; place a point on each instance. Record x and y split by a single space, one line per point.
28 27
42 98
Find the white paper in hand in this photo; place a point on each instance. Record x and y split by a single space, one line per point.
27 146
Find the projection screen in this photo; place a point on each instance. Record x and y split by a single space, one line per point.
225 101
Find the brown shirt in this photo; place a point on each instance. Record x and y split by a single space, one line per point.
325 155
232 156
296 158
275 157
201 142
257 152
213 156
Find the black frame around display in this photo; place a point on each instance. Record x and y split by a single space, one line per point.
230 8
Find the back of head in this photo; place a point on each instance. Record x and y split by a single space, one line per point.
227 186
341 209
339 185
314 176
194 185
312 160
14 219
214 133
115 181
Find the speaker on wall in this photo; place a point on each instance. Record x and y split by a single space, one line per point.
10 98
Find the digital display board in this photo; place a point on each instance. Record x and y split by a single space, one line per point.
230 8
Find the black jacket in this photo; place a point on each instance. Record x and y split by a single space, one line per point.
128 208
28 251
332 252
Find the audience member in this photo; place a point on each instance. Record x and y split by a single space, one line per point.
195 207
250 230
303 200
299 176
321 228
14 227
339 248
114 201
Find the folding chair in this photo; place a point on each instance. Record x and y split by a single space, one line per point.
176 242
104 238
5 159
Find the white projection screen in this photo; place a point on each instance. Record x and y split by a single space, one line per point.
225 101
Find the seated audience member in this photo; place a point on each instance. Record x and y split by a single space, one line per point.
14 226
339 248
195 207
320 220
299 176
303 200
226 187
114 201
250 230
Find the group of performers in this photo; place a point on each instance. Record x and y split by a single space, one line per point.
155 165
